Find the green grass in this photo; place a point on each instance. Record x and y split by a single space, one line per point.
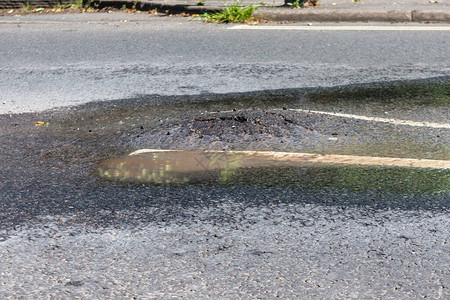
234 13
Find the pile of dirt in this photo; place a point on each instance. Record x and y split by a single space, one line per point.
239 129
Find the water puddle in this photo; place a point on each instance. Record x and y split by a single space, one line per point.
180 166
279 168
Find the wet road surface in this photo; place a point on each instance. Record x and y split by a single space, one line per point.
306 231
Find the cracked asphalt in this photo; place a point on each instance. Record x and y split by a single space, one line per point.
313 232
67 233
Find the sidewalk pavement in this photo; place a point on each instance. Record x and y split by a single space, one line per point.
275 10
328 11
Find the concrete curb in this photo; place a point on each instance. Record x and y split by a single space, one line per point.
285 14
347 15
442 16
329 15
277 14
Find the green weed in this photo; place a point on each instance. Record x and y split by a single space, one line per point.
296 4
135 4
83 4
77 4
27 6
61 6
234 13
303 3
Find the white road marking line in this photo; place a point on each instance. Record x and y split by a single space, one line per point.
342 28
330 158
377 119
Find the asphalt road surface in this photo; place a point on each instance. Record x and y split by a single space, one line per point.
51 61
314 231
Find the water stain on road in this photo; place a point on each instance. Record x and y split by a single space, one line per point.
53 168
379 151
